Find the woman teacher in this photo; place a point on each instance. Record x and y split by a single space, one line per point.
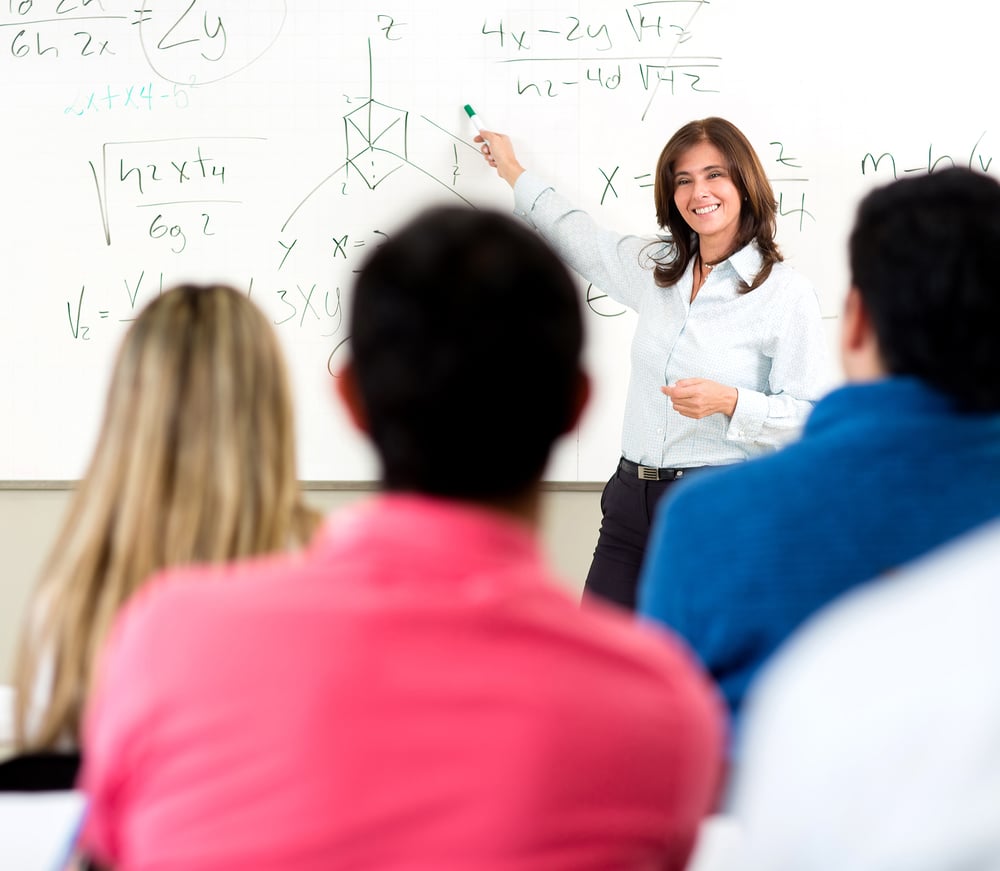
729 352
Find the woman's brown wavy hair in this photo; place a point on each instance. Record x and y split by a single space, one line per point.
758 209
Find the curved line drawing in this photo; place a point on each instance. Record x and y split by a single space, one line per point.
144 8
364 128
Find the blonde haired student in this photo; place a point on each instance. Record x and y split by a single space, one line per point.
195 462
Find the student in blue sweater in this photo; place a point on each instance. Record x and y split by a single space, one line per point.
903 458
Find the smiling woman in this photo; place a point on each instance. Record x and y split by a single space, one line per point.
708 200
729 352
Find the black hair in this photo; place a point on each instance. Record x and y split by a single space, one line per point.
466 336
925 259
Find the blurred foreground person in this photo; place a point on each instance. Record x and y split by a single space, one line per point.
903 458
415 691
872 742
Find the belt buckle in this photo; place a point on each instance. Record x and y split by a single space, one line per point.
649 473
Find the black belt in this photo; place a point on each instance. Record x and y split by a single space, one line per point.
651 473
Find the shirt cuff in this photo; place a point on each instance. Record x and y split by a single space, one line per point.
748 418
527 189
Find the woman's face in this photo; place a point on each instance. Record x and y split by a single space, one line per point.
706 197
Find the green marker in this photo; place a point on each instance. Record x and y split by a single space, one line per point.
474 118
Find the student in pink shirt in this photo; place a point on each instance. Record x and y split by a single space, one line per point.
415 691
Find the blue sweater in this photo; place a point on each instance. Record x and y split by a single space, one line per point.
883 473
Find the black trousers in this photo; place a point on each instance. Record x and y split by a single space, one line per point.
628 506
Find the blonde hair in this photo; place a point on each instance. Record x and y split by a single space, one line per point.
195 462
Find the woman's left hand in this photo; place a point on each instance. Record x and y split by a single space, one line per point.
699 397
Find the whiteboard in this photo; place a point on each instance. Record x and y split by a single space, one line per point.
271 144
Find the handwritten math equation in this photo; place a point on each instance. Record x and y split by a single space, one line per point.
647 45
50 29
134 97
174 199
183 42
886 163
312 309
183 185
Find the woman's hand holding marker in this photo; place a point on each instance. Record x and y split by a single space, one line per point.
497 149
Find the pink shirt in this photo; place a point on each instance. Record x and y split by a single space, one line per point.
412 692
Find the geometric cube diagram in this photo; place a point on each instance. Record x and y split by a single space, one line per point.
376 140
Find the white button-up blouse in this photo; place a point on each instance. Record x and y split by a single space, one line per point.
770 343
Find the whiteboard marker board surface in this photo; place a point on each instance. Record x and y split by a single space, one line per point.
272 145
